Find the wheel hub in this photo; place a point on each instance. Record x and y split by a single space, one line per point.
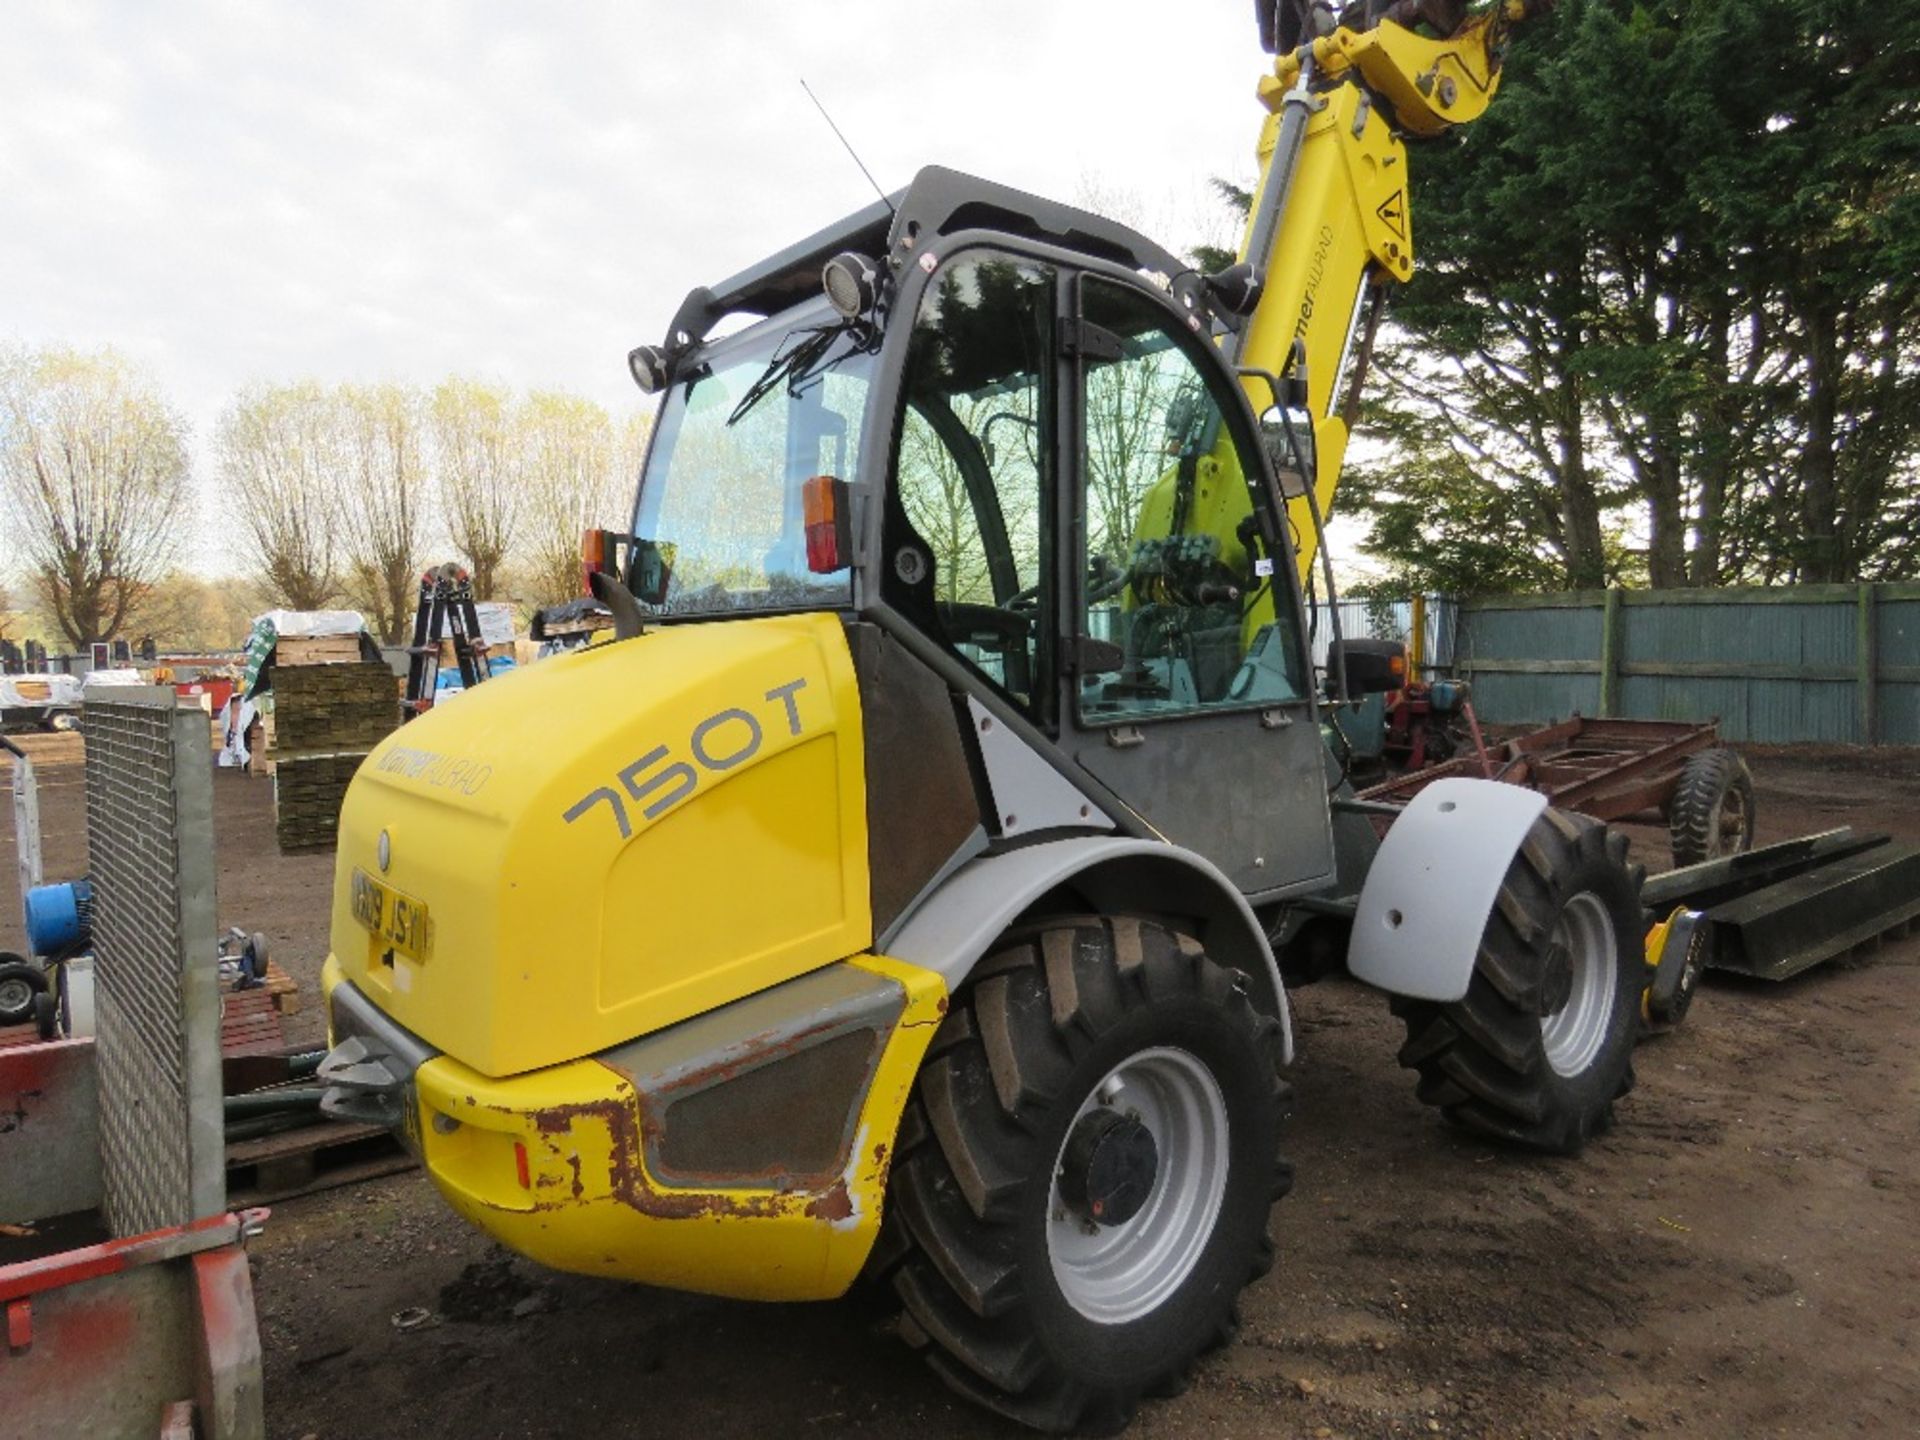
1108 1167
1578 985
1148 1144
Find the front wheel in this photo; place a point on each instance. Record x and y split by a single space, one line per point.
1086 1170
1541 1045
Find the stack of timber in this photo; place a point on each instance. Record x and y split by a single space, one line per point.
326 718
316 650
262 746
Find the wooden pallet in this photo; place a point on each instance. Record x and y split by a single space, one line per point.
314 1157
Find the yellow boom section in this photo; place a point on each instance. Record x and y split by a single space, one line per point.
1332 202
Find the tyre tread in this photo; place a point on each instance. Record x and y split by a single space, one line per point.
1010 1040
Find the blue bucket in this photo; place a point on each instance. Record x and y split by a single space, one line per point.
58 916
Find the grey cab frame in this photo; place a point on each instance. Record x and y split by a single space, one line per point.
1242 784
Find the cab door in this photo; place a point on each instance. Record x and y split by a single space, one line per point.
1185 690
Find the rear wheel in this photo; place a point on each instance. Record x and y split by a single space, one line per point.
1542 1044
1086 1170
1711 815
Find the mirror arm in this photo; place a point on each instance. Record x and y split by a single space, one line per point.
627 619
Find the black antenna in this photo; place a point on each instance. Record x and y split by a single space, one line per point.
844 141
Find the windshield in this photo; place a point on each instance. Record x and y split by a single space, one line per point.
720 500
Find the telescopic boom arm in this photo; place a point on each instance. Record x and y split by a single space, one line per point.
1330 227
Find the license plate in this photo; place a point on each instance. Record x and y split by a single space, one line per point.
396 920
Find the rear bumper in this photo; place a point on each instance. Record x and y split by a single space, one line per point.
743 1153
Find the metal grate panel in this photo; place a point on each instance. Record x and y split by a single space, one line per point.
150 849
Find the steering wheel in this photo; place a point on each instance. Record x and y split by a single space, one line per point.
1104 581
994 629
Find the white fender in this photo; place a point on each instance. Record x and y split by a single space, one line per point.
956 924
1427 898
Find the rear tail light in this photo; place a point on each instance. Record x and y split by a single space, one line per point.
593 557
823 507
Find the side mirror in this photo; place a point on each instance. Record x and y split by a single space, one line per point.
1373 667
1280 453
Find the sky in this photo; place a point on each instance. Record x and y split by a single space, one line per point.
233 193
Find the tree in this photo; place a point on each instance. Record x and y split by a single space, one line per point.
383 502
1669 281
185 612
477 469
282 460
95 482
13 623
1438 526
566 465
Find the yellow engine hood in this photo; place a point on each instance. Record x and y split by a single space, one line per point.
614 840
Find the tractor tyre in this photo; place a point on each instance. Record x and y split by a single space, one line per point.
1542 1043
20 981
1711 814
1085 1172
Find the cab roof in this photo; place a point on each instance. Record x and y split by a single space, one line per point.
938 202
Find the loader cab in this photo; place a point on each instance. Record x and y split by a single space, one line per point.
1079 511
1016 446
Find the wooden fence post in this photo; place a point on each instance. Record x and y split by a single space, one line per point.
1865 648
1610 652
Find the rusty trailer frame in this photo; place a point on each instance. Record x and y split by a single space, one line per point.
1609 769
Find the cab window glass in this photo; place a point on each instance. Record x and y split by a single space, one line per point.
972 460
1177 579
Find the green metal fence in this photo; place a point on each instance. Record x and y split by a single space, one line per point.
1780 664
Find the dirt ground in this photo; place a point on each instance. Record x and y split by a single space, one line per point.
1740 1256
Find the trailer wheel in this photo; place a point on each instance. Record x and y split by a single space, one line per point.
1087 1165
19 983
1542 1044
1711 815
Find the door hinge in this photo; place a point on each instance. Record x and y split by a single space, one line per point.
1094 342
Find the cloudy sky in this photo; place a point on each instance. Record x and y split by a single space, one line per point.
236 192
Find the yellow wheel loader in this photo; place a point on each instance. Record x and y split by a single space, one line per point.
912 883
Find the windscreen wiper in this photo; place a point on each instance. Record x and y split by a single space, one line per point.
799 359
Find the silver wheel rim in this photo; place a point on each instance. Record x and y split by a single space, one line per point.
1575 1032
1116 1273
15 994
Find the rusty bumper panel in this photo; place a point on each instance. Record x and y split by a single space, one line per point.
744 1152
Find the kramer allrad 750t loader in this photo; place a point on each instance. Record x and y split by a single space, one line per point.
910 886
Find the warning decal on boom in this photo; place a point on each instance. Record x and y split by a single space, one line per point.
1393 210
